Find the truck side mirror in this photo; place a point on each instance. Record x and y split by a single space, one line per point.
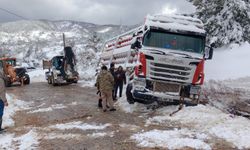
209 52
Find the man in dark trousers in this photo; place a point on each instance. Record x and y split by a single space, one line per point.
120 79
3 100
112 71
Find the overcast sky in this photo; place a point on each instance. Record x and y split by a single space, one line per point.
95 11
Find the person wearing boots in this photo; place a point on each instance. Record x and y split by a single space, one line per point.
3 100
105 84
120 80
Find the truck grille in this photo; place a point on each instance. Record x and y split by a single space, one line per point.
171 67
166 87
168 72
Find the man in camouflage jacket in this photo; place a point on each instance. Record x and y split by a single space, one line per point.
105 84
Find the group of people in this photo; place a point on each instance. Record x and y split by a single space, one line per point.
108 83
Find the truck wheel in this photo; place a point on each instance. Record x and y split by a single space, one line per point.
53 82
69 81
129 95
27 79
49 80
196 100
7 82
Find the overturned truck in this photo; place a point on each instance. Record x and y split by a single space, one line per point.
61 69
164 59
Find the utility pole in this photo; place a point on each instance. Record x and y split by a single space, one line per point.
64 43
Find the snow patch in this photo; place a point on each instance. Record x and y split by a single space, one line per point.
80 125
52 136
207 119
53 107
104 30
97 135
236 131
28 141
129 108
101 134
37 75
171 139
129 126
6 141
24 142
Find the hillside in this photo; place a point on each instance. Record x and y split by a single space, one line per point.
32 41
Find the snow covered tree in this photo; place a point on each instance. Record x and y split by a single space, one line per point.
226 21
93 42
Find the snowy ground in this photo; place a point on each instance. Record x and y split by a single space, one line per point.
194 127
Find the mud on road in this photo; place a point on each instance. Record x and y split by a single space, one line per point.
58 115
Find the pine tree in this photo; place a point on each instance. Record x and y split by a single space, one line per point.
226 21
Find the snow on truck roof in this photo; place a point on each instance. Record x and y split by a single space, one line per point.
175 22
167 22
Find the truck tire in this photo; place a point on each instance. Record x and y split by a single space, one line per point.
27 79
129 95
53 82
7 82
49 80
196 101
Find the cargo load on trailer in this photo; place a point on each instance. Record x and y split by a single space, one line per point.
164 58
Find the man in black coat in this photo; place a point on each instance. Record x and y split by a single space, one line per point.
120 79
70 57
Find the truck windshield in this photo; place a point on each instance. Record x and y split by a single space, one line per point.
179 42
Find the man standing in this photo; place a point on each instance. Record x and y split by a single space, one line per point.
3 100
105 84
70 57
120 79
112 71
